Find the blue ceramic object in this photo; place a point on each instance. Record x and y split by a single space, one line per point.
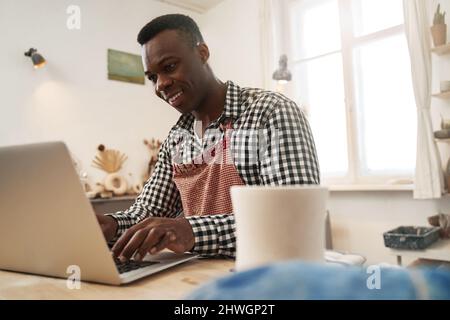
298 280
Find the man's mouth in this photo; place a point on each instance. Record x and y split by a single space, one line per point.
174 99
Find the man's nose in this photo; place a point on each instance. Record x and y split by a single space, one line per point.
163 83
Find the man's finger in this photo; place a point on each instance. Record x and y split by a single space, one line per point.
154 237
160 245
165 241
134 243
123 240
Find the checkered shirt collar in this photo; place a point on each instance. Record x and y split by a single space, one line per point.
233 108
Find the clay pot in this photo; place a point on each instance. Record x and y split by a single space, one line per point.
439 33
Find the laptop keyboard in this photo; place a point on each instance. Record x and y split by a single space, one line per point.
131 265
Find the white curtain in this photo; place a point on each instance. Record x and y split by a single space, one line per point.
271 38
429 180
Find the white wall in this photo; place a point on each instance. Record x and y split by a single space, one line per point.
232 32
71 99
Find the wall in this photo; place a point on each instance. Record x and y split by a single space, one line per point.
71 99
232 32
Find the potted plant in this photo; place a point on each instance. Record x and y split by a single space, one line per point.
439 28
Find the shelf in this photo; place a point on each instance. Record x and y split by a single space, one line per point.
113 199
439 250
441 50
372 187
111 205
442 95
443 140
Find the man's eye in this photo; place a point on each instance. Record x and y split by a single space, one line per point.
170 67
152 78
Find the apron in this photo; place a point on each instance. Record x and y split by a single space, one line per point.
204 185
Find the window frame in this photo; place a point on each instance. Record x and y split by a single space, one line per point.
349 42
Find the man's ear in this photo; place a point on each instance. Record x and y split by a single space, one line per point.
203 51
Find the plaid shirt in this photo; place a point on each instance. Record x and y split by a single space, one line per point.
271 145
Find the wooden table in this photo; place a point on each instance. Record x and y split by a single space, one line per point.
173 283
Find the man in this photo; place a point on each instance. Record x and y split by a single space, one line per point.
226 136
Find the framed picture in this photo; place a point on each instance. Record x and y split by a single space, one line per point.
123 66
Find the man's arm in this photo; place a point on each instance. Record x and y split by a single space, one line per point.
214 234
287 157
288 154
159 197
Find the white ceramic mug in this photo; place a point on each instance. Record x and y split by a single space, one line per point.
279 223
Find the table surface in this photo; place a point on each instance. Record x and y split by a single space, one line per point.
173 283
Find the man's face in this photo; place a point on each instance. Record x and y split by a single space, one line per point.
176 69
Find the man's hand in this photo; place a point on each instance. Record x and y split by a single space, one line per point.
153 235
108 225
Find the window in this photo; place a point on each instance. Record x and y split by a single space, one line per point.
352 74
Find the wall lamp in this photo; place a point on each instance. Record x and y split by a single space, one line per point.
37 59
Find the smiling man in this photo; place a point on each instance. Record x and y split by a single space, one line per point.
226 136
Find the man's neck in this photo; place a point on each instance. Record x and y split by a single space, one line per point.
212 106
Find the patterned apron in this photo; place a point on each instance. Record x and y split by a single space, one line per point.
204 185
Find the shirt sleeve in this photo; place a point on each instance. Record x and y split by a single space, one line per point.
287 156
287 153
159 197
214 235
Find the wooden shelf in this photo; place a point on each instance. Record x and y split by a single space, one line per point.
441 50
443 140
439 250
442 95
113 199
371 187
113 204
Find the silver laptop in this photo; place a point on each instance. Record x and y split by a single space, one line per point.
47 224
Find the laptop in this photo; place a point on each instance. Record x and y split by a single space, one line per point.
48 226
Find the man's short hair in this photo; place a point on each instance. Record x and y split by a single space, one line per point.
182 23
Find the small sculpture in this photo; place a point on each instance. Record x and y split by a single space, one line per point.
99 190
443 221
153 146
445 123
136 188
111 162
